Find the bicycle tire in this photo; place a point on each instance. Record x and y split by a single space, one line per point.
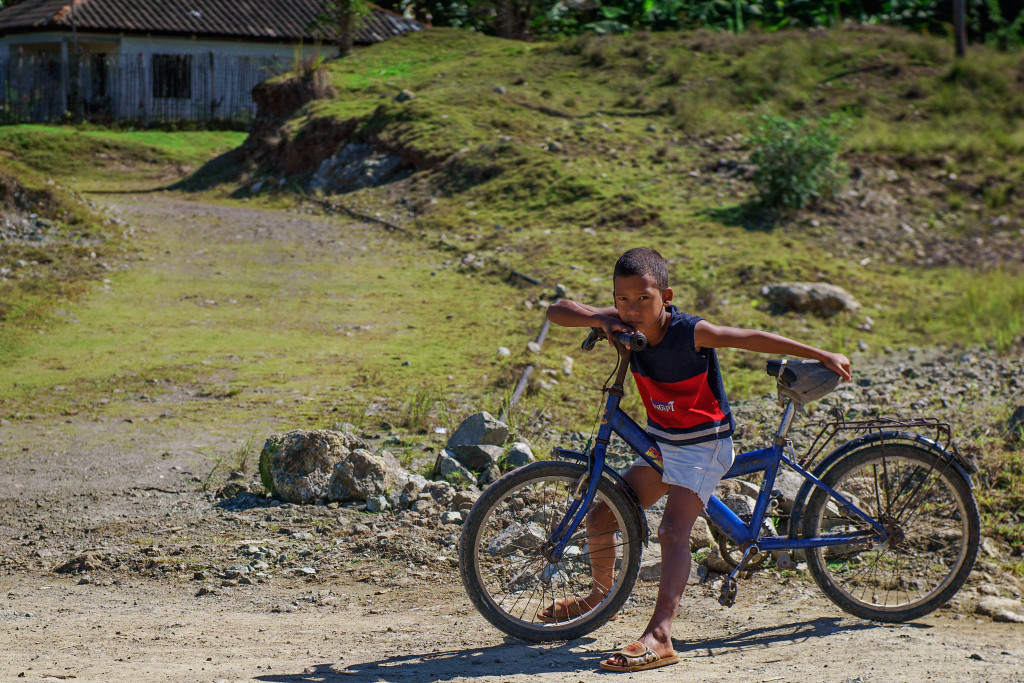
921 495
509 580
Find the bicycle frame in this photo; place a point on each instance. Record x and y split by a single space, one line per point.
767 460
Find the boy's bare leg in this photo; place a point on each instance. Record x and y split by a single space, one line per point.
681 511
647 485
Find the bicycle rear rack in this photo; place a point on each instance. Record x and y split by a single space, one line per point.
880 425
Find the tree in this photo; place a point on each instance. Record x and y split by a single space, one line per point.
340 20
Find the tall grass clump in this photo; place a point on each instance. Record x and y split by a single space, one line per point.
989 308
420 408
797 160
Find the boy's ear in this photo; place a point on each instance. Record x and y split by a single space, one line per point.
666 295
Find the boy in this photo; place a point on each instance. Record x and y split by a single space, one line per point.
678 378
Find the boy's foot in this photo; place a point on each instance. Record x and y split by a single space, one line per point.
637 657
564 610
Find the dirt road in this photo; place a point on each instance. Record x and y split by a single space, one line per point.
153 587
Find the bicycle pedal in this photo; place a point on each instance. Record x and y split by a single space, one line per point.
727 596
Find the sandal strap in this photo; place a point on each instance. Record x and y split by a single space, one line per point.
637 653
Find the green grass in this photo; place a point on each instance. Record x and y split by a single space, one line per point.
97 158
277 336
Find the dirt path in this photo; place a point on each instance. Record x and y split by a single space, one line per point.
155 591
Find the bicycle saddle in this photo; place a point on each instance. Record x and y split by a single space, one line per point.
802 381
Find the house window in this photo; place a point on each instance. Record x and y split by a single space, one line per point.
98 65
172 76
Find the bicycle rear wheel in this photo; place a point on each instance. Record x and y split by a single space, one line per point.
504 561
928 508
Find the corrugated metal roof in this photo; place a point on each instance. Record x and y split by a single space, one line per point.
275 20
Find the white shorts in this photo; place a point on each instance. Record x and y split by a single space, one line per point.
698 467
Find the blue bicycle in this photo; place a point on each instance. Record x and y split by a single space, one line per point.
887 522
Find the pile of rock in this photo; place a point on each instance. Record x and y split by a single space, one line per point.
326 466
476 452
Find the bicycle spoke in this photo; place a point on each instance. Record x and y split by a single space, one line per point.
916 495
885 478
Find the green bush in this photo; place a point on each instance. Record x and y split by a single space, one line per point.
796 160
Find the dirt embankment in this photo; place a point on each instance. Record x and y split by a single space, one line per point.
280 151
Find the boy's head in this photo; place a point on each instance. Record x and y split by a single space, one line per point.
640 290
644 262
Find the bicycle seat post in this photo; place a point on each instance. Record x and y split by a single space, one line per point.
787 419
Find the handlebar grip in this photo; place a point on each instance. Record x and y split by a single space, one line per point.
634 341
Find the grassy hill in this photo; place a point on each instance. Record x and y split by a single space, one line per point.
552 158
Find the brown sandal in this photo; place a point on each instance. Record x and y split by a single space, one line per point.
639 657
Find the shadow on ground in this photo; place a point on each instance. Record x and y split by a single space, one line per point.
499 660
797 632
508 659
226 168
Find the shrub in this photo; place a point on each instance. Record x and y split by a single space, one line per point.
796 160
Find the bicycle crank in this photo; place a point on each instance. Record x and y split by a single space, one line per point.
727 597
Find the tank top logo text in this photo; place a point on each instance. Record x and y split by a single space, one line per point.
668 407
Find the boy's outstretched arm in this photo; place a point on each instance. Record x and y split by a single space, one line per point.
574 314
706 335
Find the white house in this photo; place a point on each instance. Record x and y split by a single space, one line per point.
157 59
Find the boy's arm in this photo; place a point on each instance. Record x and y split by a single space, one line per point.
706 335
574 314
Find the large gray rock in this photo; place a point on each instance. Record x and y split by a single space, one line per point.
700 535
297 466
478 457
361 475
819 298
399 473
1001 609
441 492
716 563
788 483
518 455
480 428
650 563
452 471
411 491
491 474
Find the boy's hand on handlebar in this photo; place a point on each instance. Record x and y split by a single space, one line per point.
612 326
837 363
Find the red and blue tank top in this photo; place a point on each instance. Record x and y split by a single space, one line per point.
682 387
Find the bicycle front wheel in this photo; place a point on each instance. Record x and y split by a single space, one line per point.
505 553
933 527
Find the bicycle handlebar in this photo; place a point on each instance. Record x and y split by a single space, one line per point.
634 341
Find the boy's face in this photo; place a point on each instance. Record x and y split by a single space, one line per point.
639 302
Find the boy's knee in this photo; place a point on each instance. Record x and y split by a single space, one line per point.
670 532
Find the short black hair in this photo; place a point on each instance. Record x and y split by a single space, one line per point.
643 261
